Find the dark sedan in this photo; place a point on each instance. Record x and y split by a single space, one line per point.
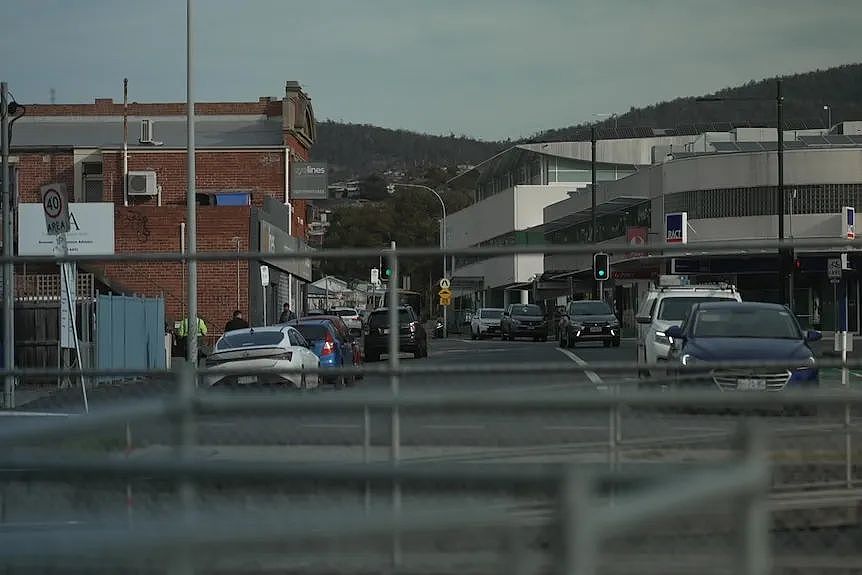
524 320
412 337
743 332
589 320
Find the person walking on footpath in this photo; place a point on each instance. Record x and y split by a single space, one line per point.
183 334
286 314
236 322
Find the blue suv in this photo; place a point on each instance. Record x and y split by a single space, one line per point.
743 332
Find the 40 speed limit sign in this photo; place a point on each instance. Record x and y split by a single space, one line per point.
55 204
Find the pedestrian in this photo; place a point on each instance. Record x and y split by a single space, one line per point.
236 322
183 334
286 314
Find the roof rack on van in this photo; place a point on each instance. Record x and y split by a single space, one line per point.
669 283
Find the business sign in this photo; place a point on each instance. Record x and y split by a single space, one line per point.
636 236
676 228
91 230
308 180
274 241
848 223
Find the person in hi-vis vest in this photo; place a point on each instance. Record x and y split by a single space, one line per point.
183 334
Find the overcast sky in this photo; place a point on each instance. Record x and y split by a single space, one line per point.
486 68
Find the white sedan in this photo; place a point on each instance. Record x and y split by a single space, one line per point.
280 349
486 322
350 316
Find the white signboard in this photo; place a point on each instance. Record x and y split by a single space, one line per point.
264 276
67 312
91 230
375 276
848 223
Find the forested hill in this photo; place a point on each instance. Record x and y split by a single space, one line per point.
805 95
357 150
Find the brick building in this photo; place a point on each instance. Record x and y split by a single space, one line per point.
242 191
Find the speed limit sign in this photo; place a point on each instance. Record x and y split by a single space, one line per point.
55 204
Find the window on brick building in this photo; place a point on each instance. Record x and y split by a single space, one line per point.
93 183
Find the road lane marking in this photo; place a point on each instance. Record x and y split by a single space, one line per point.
576 427
591 375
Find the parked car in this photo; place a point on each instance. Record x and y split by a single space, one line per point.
666 306
350 316
412 337
524 320
279 348
486 322
589 320
329 346
343 332
742 332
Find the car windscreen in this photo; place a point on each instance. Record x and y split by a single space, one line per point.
526 310
746 322
312 332
677 308
490 313
381 318
591 308
250 339
345 312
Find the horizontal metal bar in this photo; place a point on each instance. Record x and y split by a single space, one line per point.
576 399
606 367
655 250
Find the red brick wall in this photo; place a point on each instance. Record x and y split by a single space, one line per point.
261 171
157 229
35 170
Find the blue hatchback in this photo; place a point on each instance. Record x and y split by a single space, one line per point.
744 332
325 342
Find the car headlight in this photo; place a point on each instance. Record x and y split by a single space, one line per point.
516 321
662 338
687 359
810 363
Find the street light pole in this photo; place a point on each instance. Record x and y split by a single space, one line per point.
442 242
828 109
783 259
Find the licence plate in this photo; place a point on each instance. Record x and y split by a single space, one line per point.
245 379
749 384
595 330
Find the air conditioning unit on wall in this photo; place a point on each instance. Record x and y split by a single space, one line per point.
142 184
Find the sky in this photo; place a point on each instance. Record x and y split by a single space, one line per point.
491 69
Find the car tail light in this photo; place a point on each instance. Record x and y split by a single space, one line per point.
328 345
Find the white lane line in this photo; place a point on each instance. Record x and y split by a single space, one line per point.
331 425
452 426
591 375
576 427
489 350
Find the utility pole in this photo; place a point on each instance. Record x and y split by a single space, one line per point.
783 271
8 267
593 223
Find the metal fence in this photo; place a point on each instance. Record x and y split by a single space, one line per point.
431 467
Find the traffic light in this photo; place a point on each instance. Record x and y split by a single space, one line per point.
601 267
388 272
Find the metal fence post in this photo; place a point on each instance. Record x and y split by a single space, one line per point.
580 539
366 452
186 441
754 517
394 383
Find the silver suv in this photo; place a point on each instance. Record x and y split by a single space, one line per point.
665 306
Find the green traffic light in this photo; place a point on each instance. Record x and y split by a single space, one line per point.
602 273
388 272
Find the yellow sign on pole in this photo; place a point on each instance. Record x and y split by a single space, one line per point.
445 296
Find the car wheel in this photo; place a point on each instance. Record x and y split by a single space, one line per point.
372 356
606 343
544 338
616 343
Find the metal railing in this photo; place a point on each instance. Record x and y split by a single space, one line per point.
203 479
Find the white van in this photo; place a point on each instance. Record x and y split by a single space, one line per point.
666 305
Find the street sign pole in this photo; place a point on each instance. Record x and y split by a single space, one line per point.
70 301
8 267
